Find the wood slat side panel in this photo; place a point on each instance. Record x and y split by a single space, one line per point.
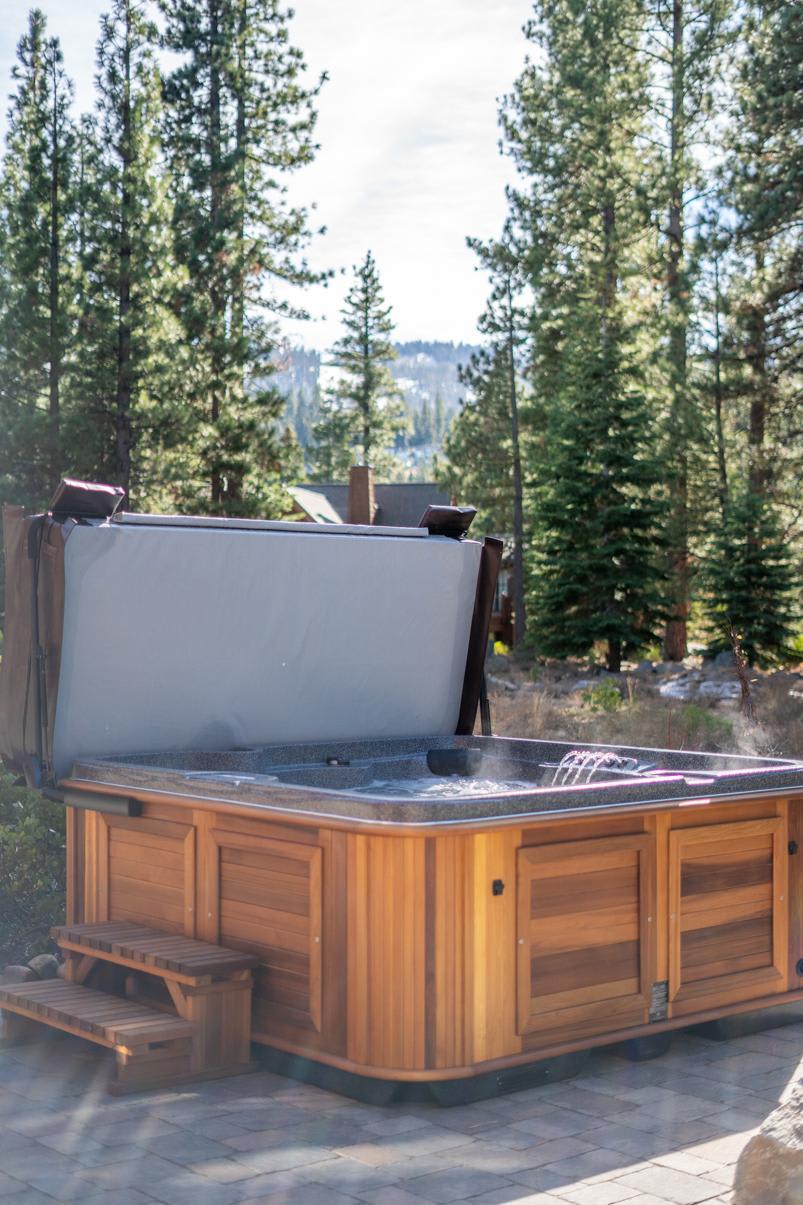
721 944
706 815
386 960
492 948
263 829
572 1024
270 897
288 868
584 932
268 901
582 829
157 858
728 911
145 872
612 888
574 969
447 1029
715 873
725 912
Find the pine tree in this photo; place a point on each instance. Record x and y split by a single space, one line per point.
331 448
439 419
685 40
752 583
478 459
367 393
423 426
37 268
504 323
598 511
240 119
130 362
576 126
761 189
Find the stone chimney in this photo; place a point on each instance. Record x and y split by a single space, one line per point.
362 503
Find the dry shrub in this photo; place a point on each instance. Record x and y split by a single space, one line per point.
651 722
534 715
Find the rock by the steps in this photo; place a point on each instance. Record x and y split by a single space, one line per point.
17 974
44 966
725 660
645 667
770 1168
497 663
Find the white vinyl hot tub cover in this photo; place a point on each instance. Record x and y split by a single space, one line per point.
194 637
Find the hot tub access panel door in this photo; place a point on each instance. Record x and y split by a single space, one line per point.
264 896
728 913
584 918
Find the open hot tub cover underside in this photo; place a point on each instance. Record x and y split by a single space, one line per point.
207 638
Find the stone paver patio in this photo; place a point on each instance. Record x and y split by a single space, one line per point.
670 1130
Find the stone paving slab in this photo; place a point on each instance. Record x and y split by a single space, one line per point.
667 1132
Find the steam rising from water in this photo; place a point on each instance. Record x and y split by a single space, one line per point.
452 787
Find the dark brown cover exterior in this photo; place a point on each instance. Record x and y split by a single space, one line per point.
29 672
490 563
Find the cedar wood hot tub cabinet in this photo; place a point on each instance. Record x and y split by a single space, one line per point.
393 952
407 951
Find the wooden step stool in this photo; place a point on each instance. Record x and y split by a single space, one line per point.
205 1033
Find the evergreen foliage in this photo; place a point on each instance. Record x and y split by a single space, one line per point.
478 461
32 871
576 127
363 413
239 120
598 514
641 339
761 187
752 583
685 39
37 273
332 454
127 377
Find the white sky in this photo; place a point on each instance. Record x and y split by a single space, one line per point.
407 124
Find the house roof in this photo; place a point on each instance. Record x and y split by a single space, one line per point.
314 504
399 503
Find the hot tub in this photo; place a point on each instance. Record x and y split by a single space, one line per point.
264 736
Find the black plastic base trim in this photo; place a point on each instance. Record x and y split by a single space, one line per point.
486 1085
649 1046
741 1024
447 1093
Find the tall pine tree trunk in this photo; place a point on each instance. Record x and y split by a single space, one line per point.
54 316
123 426
722 468
217 294
234 491
756 355
519 611
676 634
609 282
366 404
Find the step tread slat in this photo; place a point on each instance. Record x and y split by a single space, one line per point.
154 949
110 1018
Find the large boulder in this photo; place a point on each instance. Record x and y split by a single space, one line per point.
17 974
770 1169
44 966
